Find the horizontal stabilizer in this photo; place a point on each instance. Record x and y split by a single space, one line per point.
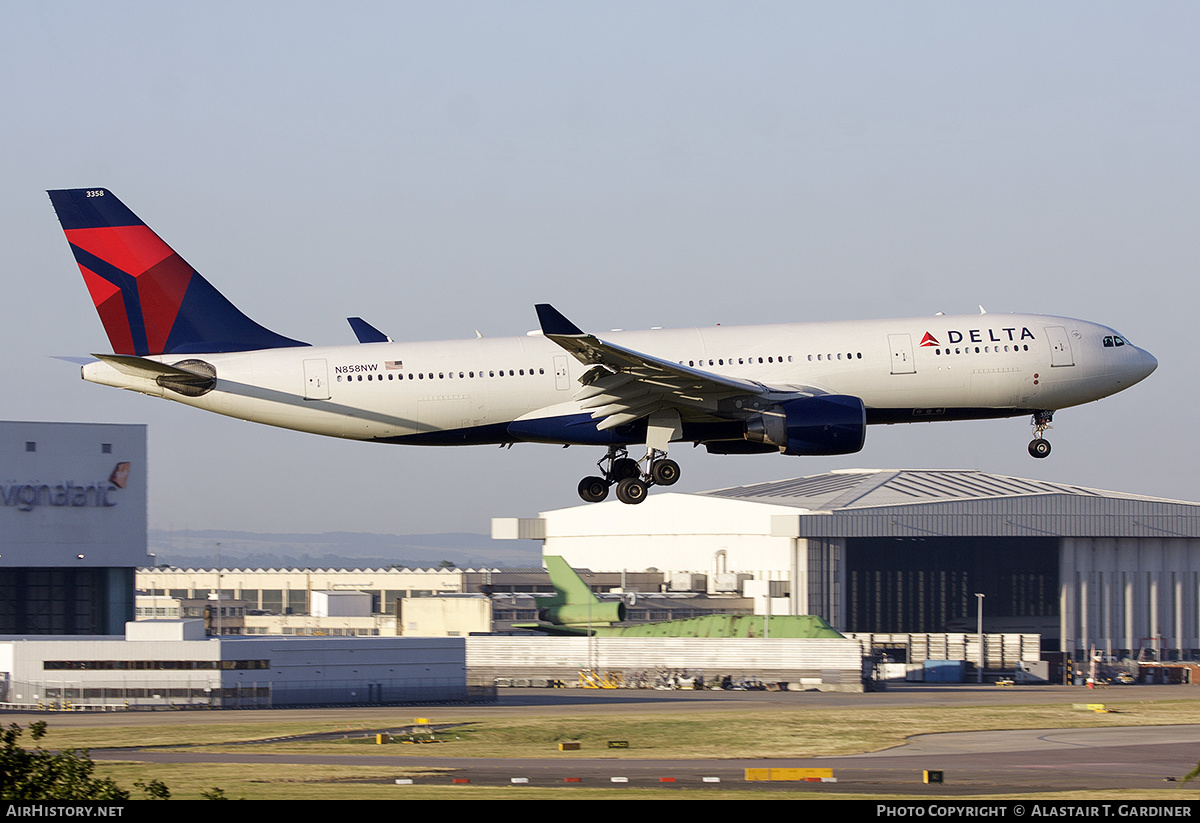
191 383
78 361
141 367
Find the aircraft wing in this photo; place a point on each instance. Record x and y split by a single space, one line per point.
627 385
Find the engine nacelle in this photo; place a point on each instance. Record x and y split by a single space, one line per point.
198 386
827 424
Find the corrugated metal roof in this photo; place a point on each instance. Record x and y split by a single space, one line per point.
873 488
941 502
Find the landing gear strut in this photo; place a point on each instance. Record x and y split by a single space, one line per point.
619 469
1039 446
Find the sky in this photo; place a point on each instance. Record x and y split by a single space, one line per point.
439 168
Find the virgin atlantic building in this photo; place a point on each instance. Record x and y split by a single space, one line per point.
72 526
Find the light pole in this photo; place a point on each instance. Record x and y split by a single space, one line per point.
979 634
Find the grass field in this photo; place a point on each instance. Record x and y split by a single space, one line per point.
751 734
345 783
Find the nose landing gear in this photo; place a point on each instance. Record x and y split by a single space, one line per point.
1039 446
619 469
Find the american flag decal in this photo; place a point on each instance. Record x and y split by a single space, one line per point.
393 364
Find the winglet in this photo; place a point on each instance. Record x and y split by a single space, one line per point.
553 322
365 332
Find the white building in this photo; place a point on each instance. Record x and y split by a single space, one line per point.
881 551
172 662
450 616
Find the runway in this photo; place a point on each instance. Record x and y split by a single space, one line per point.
973 763
589 702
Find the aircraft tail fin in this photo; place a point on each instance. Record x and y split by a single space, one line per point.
148 298
574 603
569 588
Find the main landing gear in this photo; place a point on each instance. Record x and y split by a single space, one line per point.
618 468
1039 446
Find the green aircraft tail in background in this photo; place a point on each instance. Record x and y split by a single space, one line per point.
574 605
576 610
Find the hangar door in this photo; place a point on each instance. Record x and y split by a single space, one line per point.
929 584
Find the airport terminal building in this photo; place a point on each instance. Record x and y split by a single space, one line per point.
888 551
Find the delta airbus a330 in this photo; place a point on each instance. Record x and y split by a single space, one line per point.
799 388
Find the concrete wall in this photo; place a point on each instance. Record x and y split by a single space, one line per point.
341 604
445 616
827 665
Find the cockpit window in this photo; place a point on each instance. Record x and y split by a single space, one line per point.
1112 341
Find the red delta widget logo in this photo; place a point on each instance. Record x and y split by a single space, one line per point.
1004 335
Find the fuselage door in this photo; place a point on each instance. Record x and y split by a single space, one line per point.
1060 346
900 345
561 379
316 380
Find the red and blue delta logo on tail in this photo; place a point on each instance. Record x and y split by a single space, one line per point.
148 298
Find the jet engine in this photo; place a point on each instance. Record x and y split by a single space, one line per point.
826 424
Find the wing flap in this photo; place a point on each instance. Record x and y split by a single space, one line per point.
620 418
623 395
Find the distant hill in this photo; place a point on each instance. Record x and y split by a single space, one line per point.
199 549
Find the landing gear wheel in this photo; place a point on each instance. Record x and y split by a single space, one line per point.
631 490
1039 447
664 472
593 489
625 467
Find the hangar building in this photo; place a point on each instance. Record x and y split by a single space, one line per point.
72 526
73 533
891 551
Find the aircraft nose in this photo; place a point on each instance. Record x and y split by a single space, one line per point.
1143 366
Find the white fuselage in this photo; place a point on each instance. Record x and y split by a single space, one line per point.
468 391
